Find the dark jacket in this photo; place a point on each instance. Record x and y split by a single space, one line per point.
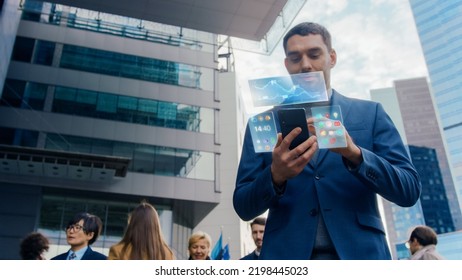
251 256
89 255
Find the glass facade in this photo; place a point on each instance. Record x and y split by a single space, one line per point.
439 26
434 201
450 245
100 90
100 105
9 21
94 21
404 218
423 130
57 210
112 63
18 137
149 159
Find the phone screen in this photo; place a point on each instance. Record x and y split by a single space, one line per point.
290 119
328 123
263 131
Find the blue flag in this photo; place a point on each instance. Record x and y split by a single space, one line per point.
217 250
225 255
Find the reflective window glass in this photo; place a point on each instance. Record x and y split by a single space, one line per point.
145 158
102 147
34 96
65 93
18 137
146 105
44 52
107 103
117 217
110 106
86 97
56 142
126 108
6 135
85 145
23 49
122 149
13 91
129 66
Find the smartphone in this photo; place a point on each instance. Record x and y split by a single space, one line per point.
290 119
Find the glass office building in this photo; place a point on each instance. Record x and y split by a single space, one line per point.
100 110
423 130
439 25
87 83
410 106
435 206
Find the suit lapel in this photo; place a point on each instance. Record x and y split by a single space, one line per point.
87 253
314 160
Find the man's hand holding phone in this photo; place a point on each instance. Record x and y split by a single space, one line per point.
289 161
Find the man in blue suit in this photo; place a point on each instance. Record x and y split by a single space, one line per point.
82 231
323 203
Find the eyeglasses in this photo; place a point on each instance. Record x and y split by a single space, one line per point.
76 228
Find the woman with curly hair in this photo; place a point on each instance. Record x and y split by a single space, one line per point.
33 246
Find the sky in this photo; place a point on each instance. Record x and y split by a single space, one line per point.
376 43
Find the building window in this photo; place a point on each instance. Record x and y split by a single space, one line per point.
18 137
145 158
71 101
44 52
114 64
21 94
23 49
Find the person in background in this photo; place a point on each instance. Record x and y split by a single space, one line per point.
82 231
33 246
199 246
322 203
422 244
258 229
143 239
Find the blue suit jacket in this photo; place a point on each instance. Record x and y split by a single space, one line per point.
346 198
89 255
251 256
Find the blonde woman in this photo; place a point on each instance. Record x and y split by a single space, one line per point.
199 246
143 238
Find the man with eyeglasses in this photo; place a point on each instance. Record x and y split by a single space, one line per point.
81 232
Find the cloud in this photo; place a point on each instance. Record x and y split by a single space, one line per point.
327 8
376 43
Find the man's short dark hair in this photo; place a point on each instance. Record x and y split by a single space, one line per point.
424 235
258 221
306 28
91 223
